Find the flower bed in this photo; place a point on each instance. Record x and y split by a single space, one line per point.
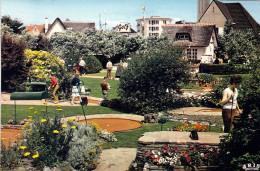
167 150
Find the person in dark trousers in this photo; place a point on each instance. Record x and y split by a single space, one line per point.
229 102
55 85
105 87
75 87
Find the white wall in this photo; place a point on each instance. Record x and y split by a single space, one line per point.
57 27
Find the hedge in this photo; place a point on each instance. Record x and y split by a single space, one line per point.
223 69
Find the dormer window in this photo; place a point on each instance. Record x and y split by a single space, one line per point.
183 36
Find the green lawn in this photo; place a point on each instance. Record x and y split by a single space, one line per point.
22 111
129 139
94 85
103 74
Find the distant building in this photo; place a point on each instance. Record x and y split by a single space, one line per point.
152 26
59 26
125 29
199 40
218 13
34 29
202 6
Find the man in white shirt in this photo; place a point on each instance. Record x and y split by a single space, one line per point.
81 65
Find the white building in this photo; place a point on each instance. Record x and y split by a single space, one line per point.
198 40
152 26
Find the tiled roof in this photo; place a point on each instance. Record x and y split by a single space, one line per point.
239 15
31 27
200 34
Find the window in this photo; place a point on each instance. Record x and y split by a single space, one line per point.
183 36
154 22
192 54
164 22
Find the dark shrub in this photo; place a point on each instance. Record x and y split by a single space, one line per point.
93 65
223 69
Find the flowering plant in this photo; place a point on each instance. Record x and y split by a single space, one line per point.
10 121
167 157
200 156
198 127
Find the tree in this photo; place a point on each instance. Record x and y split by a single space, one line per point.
14 70
238 43
15 25
151 81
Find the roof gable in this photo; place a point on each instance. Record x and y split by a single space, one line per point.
57 20
200 34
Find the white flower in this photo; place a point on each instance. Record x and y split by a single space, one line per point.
36 70
202 154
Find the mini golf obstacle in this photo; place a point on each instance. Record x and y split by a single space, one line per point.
37 91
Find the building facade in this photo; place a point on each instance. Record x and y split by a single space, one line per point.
218 13
198 40
152 26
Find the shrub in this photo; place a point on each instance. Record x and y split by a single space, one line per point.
242 146
14 70
145 81
93 65
41 63
10 157
223 69
207 77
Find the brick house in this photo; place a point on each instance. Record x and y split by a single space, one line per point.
218 13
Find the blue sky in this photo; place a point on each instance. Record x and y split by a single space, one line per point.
111 11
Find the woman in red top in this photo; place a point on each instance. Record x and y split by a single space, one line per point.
54 83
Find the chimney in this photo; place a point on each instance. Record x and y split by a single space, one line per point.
46 25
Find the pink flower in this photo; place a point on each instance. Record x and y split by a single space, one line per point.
165 146
164 151
148 154
175 149
204 146
249 116
10 121
154 160
26 120
22 122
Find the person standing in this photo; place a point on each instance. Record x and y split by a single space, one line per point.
109 69
77 66
105 87
82 64
229 102
55 85
75 88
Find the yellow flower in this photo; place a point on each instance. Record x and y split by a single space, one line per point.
27 154
23 147
64 126
31 108
42 110
57 105
93 151
55 131
29 116
43 120
28 129
44 103
73 127
59 109
72 119
3 139
35 111
36 155
47 105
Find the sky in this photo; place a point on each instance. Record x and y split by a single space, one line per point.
108 11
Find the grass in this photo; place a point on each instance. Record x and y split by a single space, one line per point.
103 74
94 85
190 86
23 111
244 76
129 139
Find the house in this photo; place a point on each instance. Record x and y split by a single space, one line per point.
34 29
125 29
199 40
152 26
59 26
218 13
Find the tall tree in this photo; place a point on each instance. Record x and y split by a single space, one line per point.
14 24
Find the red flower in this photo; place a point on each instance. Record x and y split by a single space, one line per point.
196 150
154 160
205 156
188 159
182 154
148 154
175 149
204 146
153 156
165 146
